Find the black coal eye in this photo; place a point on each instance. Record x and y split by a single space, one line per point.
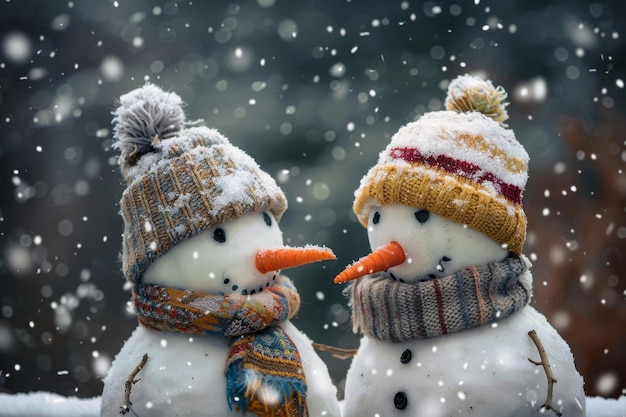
267 219
219 235
400 400
422 216
376 217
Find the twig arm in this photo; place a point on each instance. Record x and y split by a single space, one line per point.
339 353
545 363
129 384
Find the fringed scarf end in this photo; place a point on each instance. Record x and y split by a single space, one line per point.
248 391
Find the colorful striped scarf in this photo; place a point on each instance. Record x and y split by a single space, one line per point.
392 311
263 371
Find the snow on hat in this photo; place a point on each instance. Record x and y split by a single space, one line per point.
181 180
462 164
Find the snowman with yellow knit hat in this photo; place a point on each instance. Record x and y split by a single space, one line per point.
203 251
443 299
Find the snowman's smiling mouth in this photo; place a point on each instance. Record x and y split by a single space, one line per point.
232 286
438 272
439 268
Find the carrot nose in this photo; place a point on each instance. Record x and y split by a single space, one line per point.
379 260
286 257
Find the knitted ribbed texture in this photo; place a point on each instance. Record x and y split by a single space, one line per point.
465 167
263 372
392 311
455 198
188 184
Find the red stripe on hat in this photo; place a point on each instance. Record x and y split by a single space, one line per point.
465 169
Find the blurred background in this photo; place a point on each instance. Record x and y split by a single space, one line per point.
313 91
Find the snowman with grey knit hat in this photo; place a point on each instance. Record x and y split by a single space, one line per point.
443 299
203 251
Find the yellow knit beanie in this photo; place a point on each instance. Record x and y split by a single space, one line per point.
462 164
180 180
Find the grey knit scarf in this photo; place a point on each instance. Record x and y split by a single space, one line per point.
392 311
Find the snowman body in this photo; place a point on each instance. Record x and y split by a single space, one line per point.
184 375
483 371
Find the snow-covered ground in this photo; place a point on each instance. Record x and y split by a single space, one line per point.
606 407
47 404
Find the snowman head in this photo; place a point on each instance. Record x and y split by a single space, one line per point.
221 259
433 246
446 192
198 212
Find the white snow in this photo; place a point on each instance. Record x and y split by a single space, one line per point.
441 133
234 187
185 375
488 365
47 404
17 47
606 407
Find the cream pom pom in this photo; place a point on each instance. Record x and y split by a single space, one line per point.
471 94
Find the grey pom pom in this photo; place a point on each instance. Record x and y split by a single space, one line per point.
145 116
